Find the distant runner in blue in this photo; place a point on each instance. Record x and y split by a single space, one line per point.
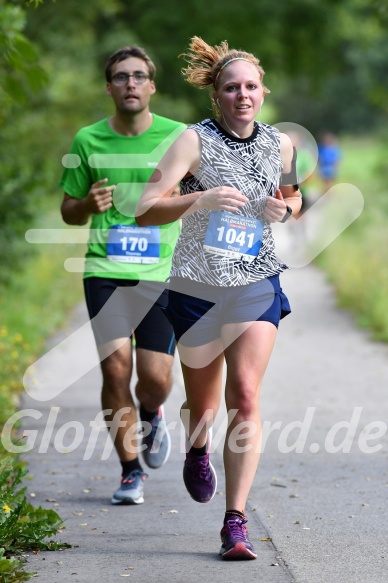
329 156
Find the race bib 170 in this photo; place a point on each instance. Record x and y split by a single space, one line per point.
133 244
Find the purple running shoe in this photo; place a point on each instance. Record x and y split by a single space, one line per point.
199 476
235 542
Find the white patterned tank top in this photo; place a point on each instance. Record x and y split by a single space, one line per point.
225 249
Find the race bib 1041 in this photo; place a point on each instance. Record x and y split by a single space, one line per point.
133 244
233 235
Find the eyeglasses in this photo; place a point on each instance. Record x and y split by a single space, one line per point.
122 79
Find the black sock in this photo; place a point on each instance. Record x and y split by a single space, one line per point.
231 513
128 467
198 450
146 415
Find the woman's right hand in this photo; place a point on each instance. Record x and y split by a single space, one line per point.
222 198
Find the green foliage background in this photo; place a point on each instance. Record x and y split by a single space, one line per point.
326 64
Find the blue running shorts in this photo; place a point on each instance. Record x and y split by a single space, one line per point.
210 307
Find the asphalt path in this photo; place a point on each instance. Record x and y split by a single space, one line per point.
317 509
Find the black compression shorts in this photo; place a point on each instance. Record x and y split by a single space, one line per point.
125 308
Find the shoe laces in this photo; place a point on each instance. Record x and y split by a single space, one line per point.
237 528
150 438
201 464
133 475
155 423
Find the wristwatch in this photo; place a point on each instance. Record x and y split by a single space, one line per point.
287 215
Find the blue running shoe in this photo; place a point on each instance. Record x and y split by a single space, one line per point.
158 441
200 477
131 489
235 542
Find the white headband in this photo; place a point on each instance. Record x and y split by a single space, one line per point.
227 63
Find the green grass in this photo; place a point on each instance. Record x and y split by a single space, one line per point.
359 160
35 303
33 306
356 262
39 297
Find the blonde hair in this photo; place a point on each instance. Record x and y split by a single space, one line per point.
205 63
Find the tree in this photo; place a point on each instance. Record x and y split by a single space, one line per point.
19 66
22 76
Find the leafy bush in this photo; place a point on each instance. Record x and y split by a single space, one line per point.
10 569
22 527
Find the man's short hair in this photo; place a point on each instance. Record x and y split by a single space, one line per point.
124 53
